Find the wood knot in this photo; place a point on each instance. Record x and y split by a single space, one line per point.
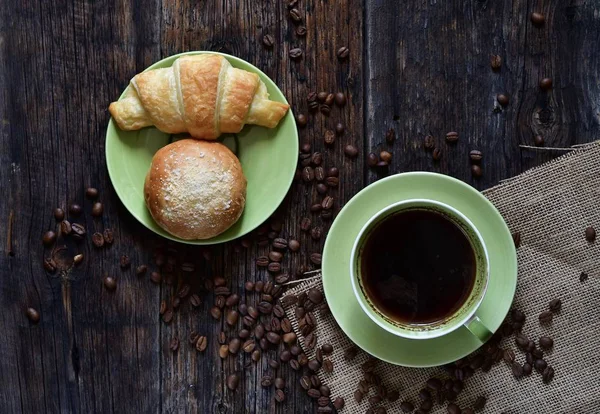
544 116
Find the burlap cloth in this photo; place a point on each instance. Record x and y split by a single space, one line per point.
550 206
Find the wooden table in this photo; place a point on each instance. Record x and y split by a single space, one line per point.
418 67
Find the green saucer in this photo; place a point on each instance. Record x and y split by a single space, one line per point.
268 158
336 268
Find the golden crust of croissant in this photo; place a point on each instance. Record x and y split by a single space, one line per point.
201 94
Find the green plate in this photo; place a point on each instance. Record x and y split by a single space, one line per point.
268 158
336 264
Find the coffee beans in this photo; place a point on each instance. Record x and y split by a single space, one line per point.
110 283
546 84
98 239
316 232
329 137
339 403
590 234
434 383
97 209
548 375
315 296
436 155
546 342
508 355
301 120
527 368
167 316
502 99
540 365
372 160
174 344
49 238
385 156
308 174
124 262
407 407
155 277
296 54
537 19
77 259
59 214
33 315
428 142
295 15
315 258
91 193
555 305
545 317
268 41
517 370
301 31
495 62
476 171
475 156
280 244
351 151
517 241
233 381
75 209
452 137
343 53
538 141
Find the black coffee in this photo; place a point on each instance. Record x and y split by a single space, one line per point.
418 267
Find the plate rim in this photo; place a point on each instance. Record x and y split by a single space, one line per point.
202 242
329 241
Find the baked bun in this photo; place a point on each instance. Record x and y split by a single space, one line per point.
195 189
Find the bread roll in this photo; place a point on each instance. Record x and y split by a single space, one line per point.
195 189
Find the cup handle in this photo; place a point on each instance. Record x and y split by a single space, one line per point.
477 328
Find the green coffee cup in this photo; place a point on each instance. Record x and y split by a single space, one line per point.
465 315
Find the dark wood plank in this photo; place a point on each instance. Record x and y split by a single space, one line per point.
428 72
97 351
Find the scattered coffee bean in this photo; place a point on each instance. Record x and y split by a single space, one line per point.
434 383
215 312
327 365
350 353
315 296
295 365
59 214
546 84
77 259
301 31
301 120
372 160
545 317
350 151
33 315
110 283
452 137
316 232
232 317
555 305
385 156
343 53
502 99
141 269
268 41
495 62
316 159
428 142
527 368
479 403
407 407
358 396
475 156
174 344
453 409
436 155
325 109
540 365
108 236
546 342
329 99
49 238
296 53
517 370
97 209
476 171
538 141
509 356
548 375
155 277
98 239
77 230
233 381
280 244
91 193
295 15
315 258
590 234
340 99
308 174
75 209
537 19
517 241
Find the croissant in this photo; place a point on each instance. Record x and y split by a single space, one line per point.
202 95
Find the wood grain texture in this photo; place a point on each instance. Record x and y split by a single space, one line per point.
62 63
420 68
